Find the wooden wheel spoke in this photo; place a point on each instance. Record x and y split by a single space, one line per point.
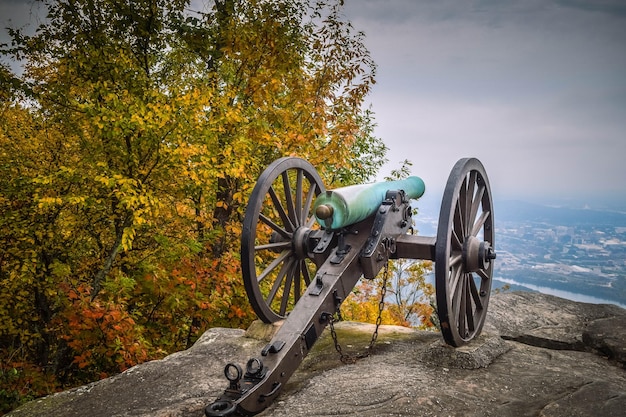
291 211
459 225
480 222
273 246
475 294
284 302
281 210
476 203
299 270
299 214
307 206
274 264
277 284
483 274
462 207
306 274
459 310
456 242
469 311
455 278
456 260
284 233
310 222
469 198
471 183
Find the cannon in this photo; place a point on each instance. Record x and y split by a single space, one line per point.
304 248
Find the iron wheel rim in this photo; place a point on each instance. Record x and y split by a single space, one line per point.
466 214
278 216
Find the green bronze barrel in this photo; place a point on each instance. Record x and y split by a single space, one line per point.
344 206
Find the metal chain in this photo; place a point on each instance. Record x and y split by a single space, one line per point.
343 357
381 306
350 359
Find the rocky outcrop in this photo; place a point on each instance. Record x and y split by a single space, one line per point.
538 356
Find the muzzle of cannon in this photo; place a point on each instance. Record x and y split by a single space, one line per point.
304 248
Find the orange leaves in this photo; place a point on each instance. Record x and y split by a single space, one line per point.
104 335
21 380
84 359
197 293
236 312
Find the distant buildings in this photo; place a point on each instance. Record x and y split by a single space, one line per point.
579 258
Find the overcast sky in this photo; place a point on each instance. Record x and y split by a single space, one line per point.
536 89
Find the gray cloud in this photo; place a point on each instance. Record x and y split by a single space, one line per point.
535 89
20 14
615 8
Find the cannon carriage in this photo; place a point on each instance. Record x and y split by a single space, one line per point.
304 248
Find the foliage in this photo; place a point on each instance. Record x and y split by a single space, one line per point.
410 293
407 296
128 148
400 173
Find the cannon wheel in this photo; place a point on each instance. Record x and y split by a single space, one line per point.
463 252
275 267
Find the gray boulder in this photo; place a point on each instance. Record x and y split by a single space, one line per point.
538 356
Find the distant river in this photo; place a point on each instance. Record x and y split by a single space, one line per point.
561 293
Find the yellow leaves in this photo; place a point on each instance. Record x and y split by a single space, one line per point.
238 196
98 122
45 202
127 238
234 116
105 181
77 200
238 171
43 180
136 119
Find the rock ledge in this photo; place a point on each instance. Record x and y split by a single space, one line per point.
538 356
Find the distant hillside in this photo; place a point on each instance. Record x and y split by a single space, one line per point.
516 211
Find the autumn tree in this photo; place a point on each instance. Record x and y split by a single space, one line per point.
409 293
404 292
128 148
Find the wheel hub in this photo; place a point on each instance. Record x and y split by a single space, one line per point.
299 242
477 254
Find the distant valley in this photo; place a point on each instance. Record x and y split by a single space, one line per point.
579 254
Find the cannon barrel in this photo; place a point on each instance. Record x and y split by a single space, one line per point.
335 209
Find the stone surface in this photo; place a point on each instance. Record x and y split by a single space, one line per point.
607 337
478 354
544 320
176 386
538 356
262 331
